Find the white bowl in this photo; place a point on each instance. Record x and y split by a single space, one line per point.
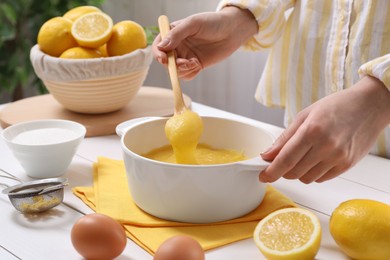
195 193
44 148
93 86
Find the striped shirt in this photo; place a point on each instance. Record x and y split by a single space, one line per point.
318 47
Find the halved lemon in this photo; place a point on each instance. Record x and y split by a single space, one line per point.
92 30
291 233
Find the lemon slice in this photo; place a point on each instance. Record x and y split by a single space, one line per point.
291 233
92 30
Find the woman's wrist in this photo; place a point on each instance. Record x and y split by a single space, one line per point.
378 95
243 21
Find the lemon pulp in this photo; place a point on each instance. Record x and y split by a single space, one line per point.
92 30
275 235
291 233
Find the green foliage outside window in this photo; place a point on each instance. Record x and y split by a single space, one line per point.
20 21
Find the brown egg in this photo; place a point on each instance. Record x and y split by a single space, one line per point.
179 248
97 236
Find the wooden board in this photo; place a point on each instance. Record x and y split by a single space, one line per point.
149 101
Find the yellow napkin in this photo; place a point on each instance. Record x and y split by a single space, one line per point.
110 196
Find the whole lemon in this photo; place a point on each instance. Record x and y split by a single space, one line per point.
361 228
80 53
126 37
54 36
103 50
74 13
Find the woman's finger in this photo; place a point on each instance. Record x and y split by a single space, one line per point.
159 55
316 172
274 150
293 152
303 166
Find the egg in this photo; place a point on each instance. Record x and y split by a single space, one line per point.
97 236
179 248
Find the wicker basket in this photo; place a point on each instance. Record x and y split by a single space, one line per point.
93 86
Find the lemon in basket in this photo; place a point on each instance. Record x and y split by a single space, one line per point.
126 37
92 30
103 50
54 36
292 233
80 53
76 12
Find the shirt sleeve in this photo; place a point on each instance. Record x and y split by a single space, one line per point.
270 17
378 68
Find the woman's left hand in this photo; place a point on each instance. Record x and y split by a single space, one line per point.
331 135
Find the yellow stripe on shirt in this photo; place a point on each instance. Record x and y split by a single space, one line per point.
304 48
318 56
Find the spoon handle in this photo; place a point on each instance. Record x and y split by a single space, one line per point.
163 23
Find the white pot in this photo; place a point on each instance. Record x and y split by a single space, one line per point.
195 193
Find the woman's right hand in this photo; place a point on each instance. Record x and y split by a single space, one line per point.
204 39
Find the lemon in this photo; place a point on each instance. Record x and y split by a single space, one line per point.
361 228
92 30
291 233
54 36
103 50
76 12
127 36
80 53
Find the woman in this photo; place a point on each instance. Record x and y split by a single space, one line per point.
329 67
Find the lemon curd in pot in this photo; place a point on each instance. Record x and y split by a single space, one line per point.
204 154
183 132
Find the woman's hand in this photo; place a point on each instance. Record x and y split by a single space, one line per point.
204 39
331 135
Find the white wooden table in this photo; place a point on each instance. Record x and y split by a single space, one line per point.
48 236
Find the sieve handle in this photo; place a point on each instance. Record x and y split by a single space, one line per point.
4 185
8 177
54 187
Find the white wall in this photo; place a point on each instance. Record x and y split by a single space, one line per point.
229 85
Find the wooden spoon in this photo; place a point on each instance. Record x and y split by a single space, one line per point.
180 106
184 129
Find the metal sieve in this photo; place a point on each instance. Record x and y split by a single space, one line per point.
35 196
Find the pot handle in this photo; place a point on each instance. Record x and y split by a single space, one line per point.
254 164
122 127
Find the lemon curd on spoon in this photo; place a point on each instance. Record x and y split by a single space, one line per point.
183 132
